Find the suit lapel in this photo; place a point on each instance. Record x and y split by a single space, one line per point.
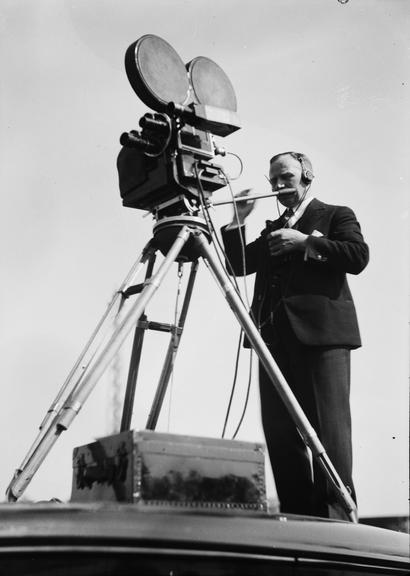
311 216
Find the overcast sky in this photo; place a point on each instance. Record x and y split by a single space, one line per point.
318 76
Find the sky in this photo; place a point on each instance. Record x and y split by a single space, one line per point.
322 77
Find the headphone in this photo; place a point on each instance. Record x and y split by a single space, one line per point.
307 173
307 169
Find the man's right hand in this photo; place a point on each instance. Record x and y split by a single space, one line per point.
243 209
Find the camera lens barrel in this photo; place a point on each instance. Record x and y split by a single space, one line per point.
134 140
156 124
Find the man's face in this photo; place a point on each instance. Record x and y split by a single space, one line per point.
286 172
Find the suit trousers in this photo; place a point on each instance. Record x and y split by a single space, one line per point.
320 379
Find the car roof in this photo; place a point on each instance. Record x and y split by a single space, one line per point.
153 527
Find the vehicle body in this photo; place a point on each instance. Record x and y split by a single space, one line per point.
113 538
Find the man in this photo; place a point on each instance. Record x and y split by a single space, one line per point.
304 309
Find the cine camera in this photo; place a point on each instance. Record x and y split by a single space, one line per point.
166 166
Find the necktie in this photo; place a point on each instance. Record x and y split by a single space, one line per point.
287 215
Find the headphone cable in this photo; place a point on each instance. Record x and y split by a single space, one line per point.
248 389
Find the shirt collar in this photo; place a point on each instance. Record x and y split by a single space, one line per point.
298 213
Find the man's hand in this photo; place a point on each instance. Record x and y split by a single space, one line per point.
243 209
286 240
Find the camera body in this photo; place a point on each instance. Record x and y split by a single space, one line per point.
167 167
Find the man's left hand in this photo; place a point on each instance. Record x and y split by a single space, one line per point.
286 240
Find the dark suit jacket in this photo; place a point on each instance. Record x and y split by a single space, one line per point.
314 292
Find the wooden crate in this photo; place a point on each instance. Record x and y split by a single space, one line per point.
154 469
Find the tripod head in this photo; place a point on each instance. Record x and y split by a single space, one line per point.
167 167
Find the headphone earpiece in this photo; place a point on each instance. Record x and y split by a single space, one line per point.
307 175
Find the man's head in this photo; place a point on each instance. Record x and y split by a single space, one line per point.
290 170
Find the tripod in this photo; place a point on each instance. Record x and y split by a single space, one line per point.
180 238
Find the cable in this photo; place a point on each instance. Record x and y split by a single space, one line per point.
241 165
243 249
213 233
211 226
243 254
247 396
233 383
